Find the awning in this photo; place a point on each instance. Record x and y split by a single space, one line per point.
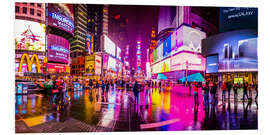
161 76
194 77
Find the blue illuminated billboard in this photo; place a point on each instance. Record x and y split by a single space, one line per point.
212 64
236 18
237 50
167 47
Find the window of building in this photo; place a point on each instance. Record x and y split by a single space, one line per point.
24 10
32 12
38 13
25 3
32 4
38 4
17 9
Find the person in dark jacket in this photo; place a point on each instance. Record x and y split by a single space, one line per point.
107 85
103 85
136 92
245 91
205 89
196 91
229 87
213 92
90 83
235 90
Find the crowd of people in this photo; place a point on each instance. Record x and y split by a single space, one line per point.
59 85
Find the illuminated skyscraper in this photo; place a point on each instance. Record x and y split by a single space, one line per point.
77 46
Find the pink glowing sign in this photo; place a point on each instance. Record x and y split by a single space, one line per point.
188 61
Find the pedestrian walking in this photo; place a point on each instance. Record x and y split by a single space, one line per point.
235 90
250 91
107 85
205 89
213 92
195 89
90 83
223 88
103 86
245 91
136 92
229 87
256 89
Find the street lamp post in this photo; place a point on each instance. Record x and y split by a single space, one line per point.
186 73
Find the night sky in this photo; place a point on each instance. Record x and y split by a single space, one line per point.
141 19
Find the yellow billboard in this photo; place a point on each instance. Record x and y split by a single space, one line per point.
90 64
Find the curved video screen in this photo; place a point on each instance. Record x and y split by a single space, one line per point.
61 16
58 49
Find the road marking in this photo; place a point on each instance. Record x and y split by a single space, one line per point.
158 124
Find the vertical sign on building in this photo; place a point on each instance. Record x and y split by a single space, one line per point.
138 54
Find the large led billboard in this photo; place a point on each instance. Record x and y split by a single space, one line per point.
98 60
167 47
90 64
236 18
112 63
212 64
58 49
89 43
186 38
29 35
237 50
160 52
61 16
162 66
109 46
105 61
190 61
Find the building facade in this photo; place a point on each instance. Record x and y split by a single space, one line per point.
30 32
77 46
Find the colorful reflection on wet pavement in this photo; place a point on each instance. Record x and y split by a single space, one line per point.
159 109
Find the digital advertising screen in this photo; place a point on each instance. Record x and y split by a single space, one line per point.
166 65
112 63
162 66
118 52
98 60
29 36
212 64
90 64
155 55
188 61
177 40
156 68
109 46
105 61
61 16
237 18
186 38
237 50
58 49
167 47
160 52
52 68
89 43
